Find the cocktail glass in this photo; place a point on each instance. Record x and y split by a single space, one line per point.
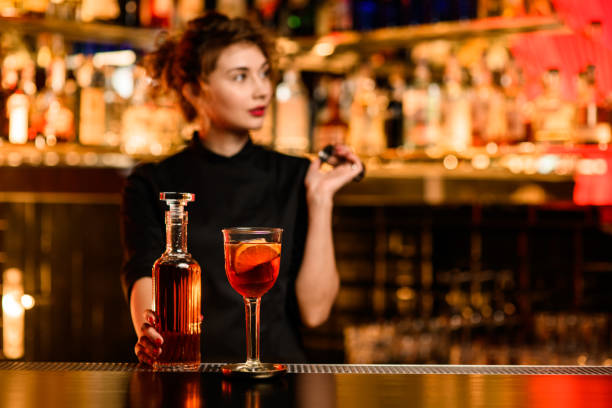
252 261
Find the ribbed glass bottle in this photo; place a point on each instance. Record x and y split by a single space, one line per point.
177 291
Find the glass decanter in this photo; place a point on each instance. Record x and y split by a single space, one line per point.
177 291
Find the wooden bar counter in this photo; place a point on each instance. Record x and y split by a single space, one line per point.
305 385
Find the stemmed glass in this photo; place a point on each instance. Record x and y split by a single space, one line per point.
252 260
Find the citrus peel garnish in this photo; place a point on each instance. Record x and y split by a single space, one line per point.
249 255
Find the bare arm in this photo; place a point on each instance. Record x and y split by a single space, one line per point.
149 343
317 282
140 301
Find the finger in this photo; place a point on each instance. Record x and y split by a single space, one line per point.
347 154
353 170
335 160
145 355
356 165
150 316
144 358
142 354
315 164
362 170
338 177
150 332
346 172
342 150
149 346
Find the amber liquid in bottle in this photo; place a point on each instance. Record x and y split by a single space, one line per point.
177 292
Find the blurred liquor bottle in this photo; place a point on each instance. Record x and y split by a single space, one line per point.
513 8
292 113
516 102
17 110
116 102
84 10
129 13
367 115
29 86
92 107
59 117
93 10
457 134
422 109
9 81
602 101
331 128
42 96
137 120
187 10
53 109
232 8
488 108
334 15
156 13
539 7
324 18
394 121
36 8
585 107
490 8
553 119
592 115
267 12
8 8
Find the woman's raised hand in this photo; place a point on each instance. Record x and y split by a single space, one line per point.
322 185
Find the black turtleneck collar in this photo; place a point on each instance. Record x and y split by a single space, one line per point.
198 146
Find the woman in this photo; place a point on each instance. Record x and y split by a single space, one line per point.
220 70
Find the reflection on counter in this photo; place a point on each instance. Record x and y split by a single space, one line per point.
192 389
147 389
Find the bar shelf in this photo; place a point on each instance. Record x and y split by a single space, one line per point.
131 37
145 38
304 49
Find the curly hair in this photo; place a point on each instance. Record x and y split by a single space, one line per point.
192 55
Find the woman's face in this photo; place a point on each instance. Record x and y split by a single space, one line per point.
239 90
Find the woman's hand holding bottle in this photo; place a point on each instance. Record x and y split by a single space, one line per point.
148 347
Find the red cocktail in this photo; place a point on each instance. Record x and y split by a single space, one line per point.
252 267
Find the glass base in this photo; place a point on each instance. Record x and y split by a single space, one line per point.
242 370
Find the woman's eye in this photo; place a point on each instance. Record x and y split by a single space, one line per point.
239 77
265 73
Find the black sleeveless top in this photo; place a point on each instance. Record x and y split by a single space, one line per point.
256 187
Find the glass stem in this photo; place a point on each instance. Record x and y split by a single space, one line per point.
251 308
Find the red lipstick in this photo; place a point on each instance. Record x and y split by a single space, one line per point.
258 111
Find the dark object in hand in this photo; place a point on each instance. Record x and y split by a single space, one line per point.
326 155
